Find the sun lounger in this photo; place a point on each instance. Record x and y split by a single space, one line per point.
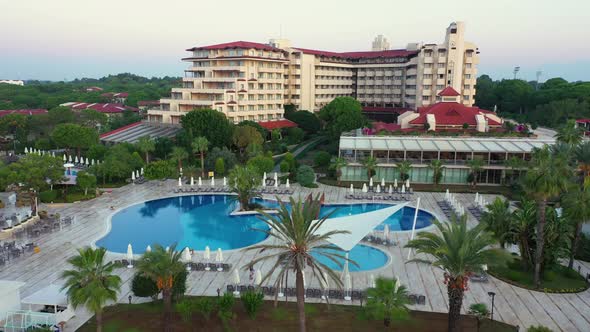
230 288
421 299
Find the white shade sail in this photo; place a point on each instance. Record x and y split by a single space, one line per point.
50 295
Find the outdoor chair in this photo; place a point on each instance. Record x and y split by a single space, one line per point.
356 295
230 288
412 299
332 293
250 288
226 267
421 299
265 290
243 288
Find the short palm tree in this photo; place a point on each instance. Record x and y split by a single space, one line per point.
388 300
161 266
337 165
146 145
459 252
91 282
548 177
200 145
179 154
404 168
514 165
569 133
296 237
576 206
437 171
497 218
475 167
242 181
522 229
370 164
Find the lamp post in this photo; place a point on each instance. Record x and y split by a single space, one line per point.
492 295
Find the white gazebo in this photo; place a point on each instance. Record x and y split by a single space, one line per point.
54 303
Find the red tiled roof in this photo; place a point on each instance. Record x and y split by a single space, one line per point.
94 88
107 94
148 103
270 125
378 126
103 108
237 44
122 95
359 55
583 121
34 111
448 92
449 113
120 129
398 110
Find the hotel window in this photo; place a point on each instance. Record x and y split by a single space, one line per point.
260 107
427 76
467 65
427 87
425 98
467 76
241 108
441 76
465 97
440 87
441 65
469 54
467 87
250 107
428 65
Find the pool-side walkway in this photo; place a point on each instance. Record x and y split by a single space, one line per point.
560 312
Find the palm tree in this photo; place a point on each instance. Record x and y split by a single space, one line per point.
514 164
200 145
337 165
475 166
437 171
296 237
242 181
388 300
497 219
161 266
547 178
582 157
91 282
522 229
178 154
576 206
146 145
370 164
569 133
404 168
459 252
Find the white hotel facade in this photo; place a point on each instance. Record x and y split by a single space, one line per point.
253 81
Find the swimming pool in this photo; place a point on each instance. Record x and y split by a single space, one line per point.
204 220
365 257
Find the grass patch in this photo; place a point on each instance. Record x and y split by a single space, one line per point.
557 279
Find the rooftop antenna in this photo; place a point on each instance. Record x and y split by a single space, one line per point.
539 73
516 70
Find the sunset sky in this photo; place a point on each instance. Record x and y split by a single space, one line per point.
67 39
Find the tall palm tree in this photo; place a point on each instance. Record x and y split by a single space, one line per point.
459 252
179 154
200 145
296 237
242 181
91 282
576 206
547 178
475 166
569 133
146 145
522 229
404 168
337 165
437 171
498 219
582 158
161 266
388 300
370 164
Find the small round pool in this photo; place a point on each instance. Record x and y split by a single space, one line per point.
204 220
366 257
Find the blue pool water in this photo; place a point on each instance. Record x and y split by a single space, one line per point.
204 220
366 257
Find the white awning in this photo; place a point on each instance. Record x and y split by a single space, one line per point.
359 225
50 295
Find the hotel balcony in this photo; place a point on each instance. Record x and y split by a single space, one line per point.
428 59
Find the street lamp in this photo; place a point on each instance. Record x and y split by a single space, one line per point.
516 70
492 295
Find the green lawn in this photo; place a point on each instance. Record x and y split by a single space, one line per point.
558 279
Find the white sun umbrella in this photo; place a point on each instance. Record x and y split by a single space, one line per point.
378 190
81 160
65 158
141 168
76 160
447 195
365 188
390 189
224 181
167 249
347 286
219 259
179 181
137 175
237 281
395 183
403 188
192 181
258 278
408 183
372 281
53 154
385 233
212 181
351 189
26 150
130 255
396 286
200 181
148 249
287 184
132 176
264 179
186 258
325 286
92 162
476 198
345 268
276 177
70 158
371 182
383 182
207 257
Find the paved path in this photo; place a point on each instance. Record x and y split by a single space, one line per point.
297 152
560 312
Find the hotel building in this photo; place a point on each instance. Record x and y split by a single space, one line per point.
252 81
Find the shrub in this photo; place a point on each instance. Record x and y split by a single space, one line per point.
219 166
322 159
290 159
305 176
261 164
225 306
539 328
161 169
479 309
549 275
185 308
143 287
47 196
294 135
204 306
284 166
252 302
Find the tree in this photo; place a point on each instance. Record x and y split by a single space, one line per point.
35 171
201 145
244 136
521 231
475 167
91 283
388 301
295 135
93 119
342 114
163 147
69 135
162 266
229 158
514 165
160 170
307 121
437 171
16 125
547 178
322 159
146 145
582 157
305 176
337 165
85 181
295 238
261 164
459 252
370 164
118 163
485 97
404 168
61 114
178 154
219 166
498 218
576 206
570 134
242 181
212 125
263 132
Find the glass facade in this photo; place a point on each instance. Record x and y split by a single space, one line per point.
422 175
